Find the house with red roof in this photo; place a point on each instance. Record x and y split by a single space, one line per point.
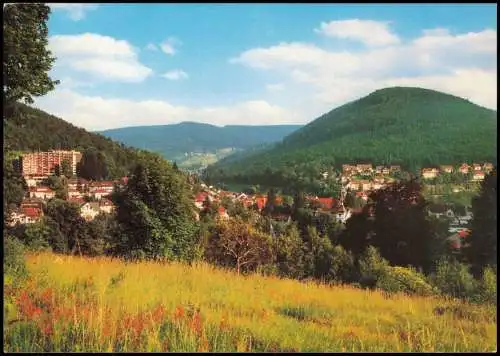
458 240
478 175
326 203
222 213
362 195
74 193
77 200
41 193
200 198
464 168
79 184
25 215
261 202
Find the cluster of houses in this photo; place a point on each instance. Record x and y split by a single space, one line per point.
258 202
478 171
363 178
91 197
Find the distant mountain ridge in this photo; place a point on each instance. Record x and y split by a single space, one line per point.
173 141
414 127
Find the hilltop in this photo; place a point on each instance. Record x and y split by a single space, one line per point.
413 127
29 129
193 144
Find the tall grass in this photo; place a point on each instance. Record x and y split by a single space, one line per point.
102 304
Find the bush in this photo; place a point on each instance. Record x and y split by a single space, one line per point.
488 288
342 265
453 278
36 236
14 264
371 267
404 280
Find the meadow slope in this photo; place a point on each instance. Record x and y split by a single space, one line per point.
100 304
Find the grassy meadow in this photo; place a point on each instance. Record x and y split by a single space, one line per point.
101 304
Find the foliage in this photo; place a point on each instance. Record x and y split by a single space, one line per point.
59 185
289 253
395 221
236 244
382 128
405 280
155 213
482 243
93 165
14 188
26 58
14 264
68 224
453 278
37 235
372 267
488 287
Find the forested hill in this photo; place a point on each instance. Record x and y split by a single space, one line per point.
413 127
30 129
173 141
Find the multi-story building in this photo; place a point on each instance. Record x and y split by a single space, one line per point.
44 163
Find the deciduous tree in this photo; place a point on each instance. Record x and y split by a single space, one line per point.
482 243
26 58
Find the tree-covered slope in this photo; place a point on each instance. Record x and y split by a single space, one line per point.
173 141
410 126
30 129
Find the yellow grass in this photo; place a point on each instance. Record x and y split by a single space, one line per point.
240 313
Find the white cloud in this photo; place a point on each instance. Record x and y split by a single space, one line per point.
104 57
175 74
168 46
97 113
371 33
436 60
275 87
151 47
76 12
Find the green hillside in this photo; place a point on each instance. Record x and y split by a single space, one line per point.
409 126
30 129
211 143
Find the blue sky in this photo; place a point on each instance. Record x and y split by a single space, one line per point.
144 64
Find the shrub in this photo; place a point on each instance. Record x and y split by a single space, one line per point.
36 236
14 264
405 280
342 265
371 267
453 278
488 288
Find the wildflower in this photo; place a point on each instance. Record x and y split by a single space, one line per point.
203 344
164 345
223 324
158 313
47 327
196 323
179 312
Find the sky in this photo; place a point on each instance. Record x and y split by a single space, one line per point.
137 64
